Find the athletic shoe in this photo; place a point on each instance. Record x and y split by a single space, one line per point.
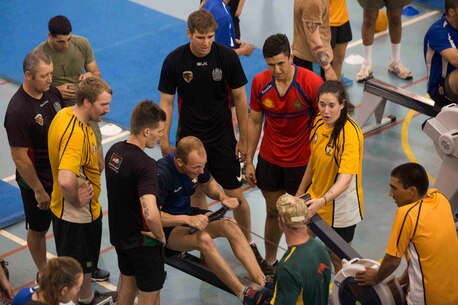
396 67
365 73
101 298
252 296
268 269
258 255
269 282
100 275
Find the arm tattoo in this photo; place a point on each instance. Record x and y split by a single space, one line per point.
311 26
323 58
145 209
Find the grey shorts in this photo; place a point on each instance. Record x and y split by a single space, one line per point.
375 5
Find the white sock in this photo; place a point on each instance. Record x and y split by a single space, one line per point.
367 54
396 51
269 263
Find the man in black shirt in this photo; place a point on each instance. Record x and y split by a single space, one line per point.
134 219
205 74
27 119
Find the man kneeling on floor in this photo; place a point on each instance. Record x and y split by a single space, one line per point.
179 174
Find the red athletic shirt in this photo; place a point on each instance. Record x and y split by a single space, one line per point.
288 118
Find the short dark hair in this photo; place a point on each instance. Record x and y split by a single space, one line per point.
276 44
91 88
59 25
201 21
450 4
32 60
146 114
412 174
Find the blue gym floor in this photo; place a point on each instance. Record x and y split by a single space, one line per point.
131 39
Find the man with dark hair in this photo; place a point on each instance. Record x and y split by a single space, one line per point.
312 36
132 187
304 272
77 214
441 56
27 119
287 96
425 232
72 57
179 175
205 74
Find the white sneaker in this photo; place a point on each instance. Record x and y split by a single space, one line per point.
365 73
396 67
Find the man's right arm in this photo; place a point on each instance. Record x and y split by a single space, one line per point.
195 221
78 194
152 217
166 103
254 133
27 171
315 44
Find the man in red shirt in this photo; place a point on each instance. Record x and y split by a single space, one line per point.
287 96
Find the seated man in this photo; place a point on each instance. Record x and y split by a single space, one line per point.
441 56
179 174
423 231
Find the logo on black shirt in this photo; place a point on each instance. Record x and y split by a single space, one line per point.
57 106
39 119
217 74
115 162
187 76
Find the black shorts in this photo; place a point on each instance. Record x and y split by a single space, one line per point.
273 178
346 233
146 264
79 240
341 34
35 219
307 65
194 211
224 166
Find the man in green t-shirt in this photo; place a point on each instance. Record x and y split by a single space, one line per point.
71 55
303 274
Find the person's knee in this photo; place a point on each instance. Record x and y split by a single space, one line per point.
272 211
37 234
205 242
369 18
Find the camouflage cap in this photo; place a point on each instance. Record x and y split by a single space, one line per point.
293 211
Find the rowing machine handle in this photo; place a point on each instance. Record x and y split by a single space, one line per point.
218 214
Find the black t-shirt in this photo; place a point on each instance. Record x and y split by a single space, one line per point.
27 122
203 86
130 173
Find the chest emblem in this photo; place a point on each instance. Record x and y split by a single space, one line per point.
115 162
217 74
298 105
329 149
268 103
39 119
188 76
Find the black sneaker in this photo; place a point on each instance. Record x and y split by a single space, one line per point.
258 255
101 298
99 275
252 296
268 269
